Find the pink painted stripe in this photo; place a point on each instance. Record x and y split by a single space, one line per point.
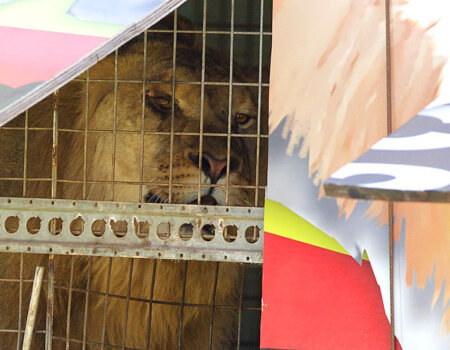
28 56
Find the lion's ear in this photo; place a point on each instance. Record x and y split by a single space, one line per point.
163 34
183 24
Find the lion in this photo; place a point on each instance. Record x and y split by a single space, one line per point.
136 107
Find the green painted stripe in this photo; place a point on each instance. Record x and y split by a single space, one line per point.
282 221
51 15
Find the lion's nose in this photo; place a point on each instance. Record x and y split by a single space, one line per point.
212 167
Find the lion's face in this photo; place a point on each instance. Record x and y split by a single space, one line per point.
191 118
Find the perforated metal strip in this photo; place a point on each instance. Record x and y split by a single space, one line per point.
15 214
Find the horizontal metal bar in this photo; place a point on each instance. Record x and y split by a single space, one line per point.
92 131
16 237
206 83
154 183
42 331
209 32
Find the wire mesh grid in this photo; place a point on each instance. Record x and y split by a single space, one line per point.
77 296
109 303
60 126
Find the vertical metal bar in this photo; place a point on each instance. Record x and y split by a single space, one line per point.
202 102
55 144
69 305
150 306
116 56
124 337
19 326
241 297
86 303
32 310
390 205
25 156
51 257
105 310
213 306
144 76
86 126
391 273
183 293
258 138
172 116
230 104
50 301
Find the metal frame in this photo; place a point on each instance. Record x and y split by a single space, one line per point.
176 246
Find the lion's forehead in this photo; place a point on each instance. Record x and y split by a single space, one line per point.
195 101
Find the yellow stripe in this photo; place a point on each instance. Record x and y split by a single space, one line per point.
283 222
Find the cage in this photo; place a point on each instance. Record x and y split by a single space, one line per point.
139 187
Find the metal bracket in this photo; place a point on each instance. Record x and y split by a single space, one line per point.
53 231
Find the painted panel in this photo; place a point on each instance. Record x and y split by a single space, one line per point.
319 299
411 164
328 106
48 54
46 43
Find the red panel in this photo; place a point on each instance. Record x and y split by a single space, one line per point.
28 56
314 298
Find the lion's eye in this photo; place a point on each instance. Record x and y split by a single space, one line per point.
159 101
163 101
244 120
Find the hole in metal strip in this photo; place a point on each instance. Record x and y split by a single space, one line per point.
33 225
186 231
163 230
252 234
55 226
119 228
12 224
141 228
208 232
98 228
230 233
77 226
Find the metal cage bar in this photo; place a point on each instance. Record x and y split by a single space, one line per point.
150 305
213 306
144 72
183 294
202 102
86 304
217 246
69 304
85 140
105 309
51 258
116 57
25 158
230 102
19 325
258 121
